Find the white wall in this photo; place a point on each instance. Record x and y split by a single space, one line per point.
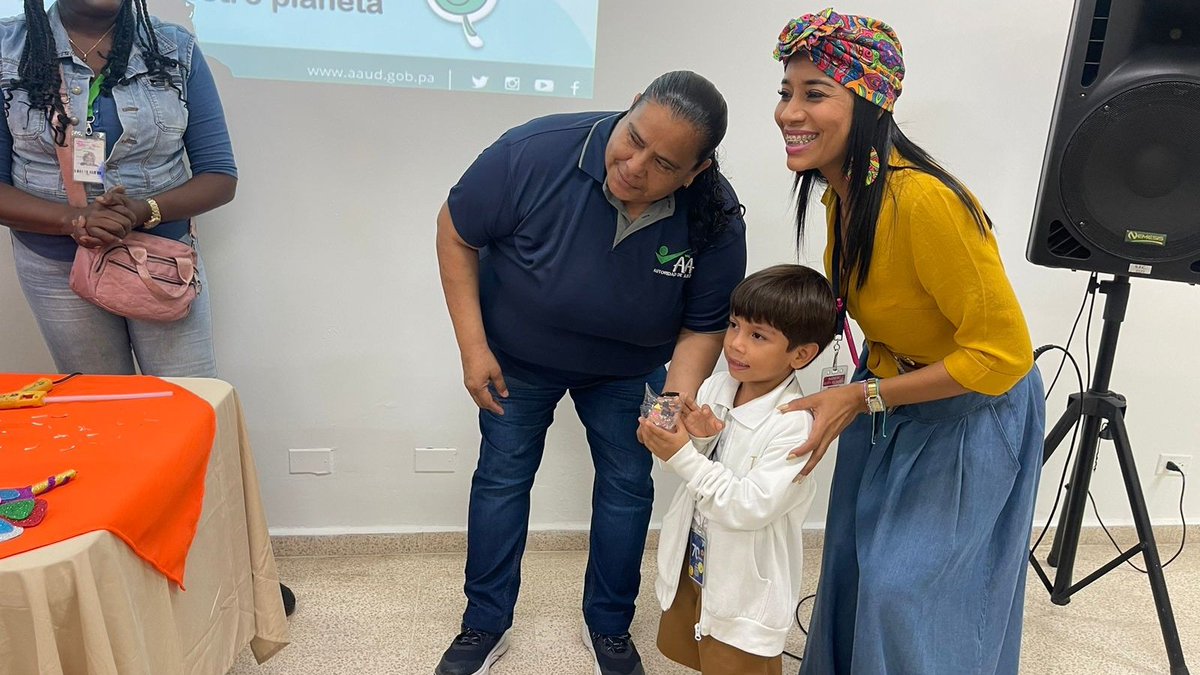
329 316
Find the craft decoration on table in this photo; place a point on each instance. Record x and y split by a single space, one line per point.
20 508
661 410
31 491
52 482
151 499
35 516
9 531
36 394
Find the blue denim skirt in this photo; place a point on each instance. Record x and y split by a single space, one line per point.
927 536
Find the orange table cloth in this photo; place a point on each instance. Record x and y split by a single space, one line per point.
141 465
90 604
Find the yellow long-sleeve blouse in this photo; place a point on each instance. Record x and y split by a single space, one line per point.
937 289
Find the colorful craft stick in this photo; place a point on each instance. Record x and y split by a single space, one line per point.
52 482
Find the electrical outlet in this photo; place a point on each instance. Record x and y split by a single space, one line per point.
317 461
1182 461
435 460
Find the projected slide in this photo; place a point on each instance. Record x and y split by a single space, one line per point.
537 47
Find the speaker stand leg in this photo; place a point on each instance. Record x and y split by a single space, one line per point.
1154 570
1096 405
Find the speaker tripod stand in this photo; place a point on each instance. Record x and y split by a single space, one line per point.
1096 406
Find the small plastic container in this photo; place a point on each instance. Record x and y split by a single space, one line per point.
661 410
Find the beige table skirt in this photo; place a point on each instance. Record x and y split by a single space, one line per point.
90 606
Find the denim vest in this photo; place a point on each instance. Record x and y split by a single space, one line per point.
147 159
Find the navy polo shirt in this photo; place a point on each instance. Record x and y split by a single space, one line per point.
558 297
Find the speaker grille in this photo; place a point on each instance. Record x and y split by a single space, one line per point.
1130 176
1062 244
1095 43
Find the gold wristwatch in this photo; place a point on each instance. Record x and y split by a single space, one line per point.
875 402
155 216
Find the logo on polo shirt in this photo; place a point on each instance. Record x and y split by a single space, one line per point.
683 261
664 257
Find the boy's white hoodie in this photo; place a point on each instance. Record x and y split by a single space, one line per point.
755 513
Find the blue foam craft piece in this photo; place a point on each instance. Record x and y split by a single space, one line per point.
9 531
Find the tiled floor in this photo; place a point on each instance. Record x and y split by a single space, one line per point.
394 614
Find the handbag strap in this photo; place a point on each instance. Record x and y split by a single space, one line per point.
76 194
186 273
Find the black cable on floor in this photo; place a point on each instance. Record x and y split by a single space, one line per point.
798 604
800 624
1172 466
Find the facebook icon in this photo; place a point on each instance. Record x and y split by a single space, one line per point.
575 87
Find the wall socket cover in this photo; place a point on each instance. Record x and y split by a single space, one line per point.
316 461
435 460
1182 461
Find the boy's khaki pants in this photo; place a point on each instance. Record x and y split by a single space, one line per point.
677 639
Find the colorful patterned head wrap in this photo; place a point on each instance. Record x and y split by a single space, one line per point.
861 53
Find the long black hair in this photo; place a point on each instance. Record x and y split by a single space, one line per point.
39 75
873 127
694 99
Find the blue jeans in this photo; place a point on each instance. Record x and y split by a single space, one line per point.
622 497
84 338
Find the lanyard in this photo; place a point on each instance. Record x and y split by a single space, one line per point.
843 327
93 94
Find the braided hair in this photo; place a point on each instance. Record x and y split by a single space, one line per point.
39 75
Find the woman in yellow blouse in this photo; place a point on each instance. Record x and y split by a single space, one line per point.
941 428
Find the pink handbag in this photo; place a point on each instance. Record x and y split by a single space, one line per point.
144 276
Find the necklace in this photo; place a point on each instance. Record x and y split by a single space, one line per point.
88 52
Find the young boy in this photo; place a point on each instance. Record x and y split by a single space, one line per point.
730 553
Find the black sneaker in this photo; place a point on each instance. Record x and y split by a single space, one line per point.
472 653
613 654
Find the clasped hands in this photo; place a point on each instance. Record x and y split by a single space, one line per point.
108 219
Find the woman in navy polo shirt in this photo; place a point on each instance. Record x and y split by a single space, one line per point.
580 253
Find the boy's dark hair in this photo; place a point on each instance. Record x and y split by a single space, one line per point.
793 299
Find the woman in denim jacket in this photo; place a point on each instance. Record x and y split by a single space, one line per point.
155 101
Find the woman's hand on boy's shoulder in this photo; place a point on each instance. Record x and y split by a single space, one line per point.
833 410
699 421
663 443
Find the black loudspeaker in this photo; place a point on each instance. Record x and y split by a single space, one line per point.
1120 188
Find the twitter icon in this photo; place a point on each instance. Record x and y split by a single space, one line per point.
479 82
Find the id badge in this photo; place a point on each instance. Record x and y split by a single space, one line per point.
87 157
834 376
697 546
